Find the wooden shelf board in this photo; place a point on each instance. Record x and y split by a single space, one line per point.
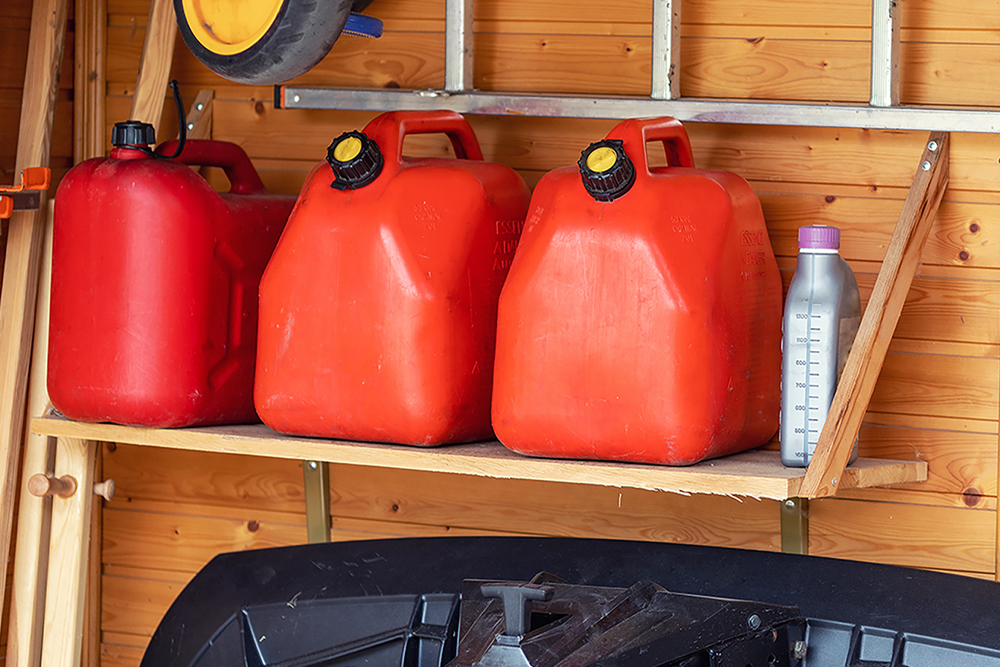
756 473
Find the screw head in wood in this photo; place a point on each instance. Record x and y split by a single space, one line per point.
201 107
932 146
926 165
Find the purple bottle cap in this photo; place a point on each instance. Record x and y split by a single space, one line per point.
819 236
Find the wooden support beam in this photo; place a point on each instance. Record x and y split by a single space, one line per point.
35 513
826 470
199 116
69 550
89 88
91 649
154 68
24 250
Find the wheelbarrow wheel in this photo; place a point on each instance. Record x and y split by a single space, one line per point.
261 42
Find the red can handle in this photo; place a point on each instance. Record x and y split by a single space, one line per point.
229 157
636 133
389 129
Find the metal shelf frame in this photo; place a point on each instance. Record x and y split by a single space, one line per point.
882 112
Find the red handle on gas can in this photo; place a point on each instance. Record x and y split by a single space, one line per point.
229 157
636 133
388 131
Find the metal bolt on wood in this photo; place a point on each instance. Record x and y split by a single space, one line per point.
932 146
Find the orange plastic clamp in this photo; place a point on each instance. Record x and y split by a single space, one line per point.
32 178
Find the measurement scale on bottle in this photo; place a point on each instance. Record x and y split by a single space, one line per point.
813 362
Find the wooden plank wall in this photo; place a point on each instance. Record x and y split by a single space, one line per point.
937 399
15 24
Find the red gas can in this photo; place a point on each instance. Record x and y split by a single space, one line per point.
154 285
378 308
641 320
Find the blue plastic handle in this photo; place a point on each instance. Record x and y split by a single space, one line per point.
360 25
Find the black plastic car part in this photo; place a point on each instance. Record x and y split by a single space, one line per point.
403 603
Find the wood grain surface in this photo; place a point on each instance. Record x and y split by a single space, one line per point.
937 398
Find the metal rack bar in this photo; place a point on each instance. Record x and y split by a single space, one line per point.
883 112
885 53
666 50
955 119
458 49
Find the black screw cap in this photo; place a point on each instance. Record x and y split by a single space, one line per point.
133 133
355 159
606 170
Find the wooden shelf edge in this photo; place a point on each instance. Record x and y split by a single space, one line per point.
755 474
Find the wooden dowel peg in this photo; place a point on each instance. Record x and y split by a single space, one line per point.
105 489
50 485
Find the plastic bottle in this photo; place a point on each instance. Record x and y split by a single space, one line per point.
821 319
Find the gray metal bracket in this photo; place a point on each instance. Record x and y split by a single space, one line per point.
316 486
795 526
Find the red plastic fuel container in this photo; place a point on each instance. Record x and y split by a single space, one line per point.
154 284
378 308
641 320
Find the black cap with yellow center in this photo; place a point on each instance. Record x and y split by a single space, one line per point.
355 159
606 170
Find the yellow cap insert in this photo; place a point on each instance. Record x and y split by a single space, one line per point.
601 159
347 150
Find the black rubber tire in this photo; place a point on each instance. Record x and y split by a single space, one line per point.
302 34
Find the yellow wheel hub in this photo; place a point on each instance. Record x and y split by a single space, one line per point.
228 27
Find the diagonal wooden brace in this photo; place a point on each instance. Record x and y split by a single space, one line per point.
878 324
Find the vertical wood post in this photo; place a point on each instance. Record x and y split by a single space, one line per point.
89 88
35 514
68 553
24 250
154 68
